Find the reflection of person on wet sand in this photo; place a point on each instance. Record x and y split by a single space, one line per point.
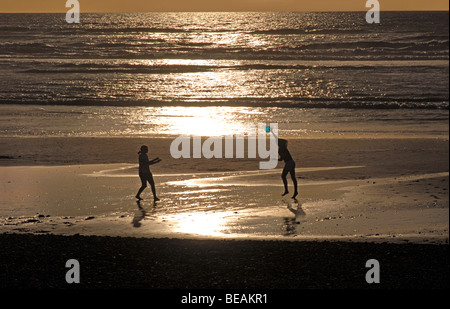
145 174
291 223
139 215
299 212
289 166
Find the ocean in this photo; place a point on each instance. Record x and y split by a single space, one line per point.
254 66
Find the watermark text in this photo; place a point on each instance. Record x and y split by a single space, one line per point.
213 146
73 14
373 15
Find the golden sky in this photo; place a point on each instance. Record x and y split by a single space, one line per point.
10 6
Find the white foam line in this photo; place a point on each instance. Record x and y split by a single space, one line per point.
224 181
112 172
422 176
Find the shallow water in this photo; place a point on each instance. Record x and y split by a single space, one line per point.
110 121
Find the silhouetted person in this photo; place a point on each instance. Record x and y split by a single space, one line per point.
145 174
289 166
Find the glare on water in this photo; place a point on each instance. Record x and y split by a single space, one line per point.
200 223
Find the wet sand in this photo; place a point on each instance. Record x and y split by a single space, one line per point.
359 199
394 189
99 200
381 156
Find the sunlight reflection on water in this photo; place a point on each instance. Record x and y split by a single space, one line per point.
169 121
199 121
200 223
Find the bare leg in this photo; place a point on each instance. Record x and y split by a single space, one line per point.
138 195
283 176
152 184
142 188
294 180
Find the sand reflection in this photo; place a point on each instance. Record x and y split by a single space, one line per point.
201 223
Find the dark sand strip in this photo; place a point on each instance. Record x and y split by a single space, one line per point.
38 261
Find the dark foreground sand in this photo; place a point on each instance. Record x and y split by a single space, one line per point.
38 261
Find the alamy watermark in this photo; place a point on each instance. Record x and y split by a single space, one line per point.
373 274
213 146
73 274
373 15
73 14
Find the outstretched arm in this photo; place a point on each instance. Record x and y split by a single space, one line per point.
154 161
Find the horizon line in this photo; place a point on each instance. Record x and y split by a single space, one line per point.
262 11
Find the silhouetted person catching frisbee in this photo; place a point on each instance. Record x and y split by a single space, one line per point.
145 174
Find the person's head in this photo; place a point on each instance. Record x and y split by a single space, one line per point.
144 149
282 143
